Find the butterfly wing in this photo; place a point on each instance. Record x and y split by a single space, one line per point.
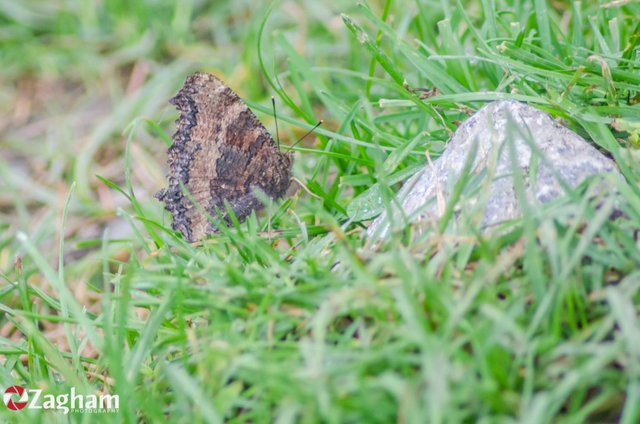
220 152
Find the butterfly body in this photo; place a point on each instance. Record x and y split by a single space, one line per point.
220 152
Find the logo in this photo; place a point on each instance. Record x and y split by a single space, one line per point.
9 395
17 398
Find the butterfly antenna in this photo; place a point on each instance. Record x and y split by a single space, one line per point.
275 117
320 122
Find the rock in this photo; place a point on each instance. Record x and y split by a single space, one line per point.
560 158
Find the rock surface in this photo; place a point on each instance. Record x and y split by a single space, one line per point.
500 136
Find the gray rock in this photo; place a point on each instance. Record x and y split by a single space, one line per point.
503 137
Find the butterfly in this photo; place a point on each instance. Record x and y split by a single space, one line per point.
220 152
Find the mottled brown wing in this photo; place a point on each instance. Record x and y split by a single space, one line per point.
220 152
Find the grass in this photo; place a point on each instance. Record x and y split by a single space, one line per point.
536 323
